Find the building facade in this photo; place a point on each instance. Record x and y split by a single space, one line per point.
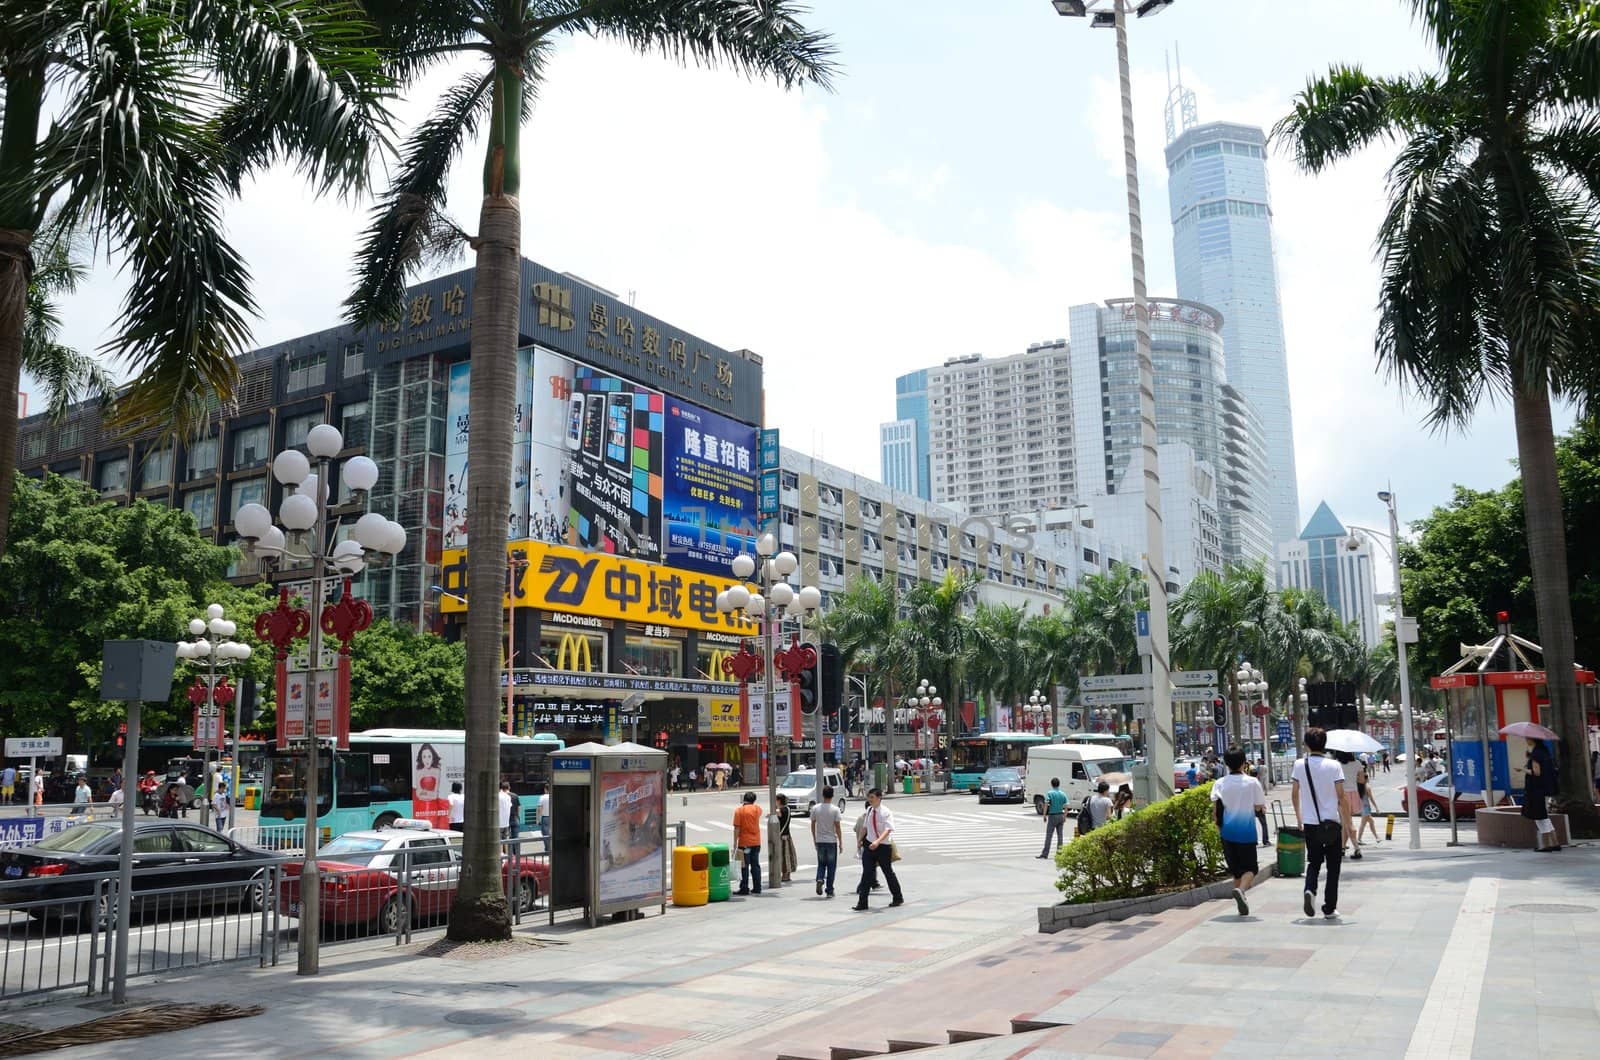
910 406
1323 560
1195 407
902 461
1001 431
1223 253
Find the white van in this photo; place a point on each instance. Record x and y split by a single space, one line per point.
800 786
1080 768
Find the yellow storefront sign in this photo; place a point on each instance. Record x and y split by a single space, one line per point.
558 578
724 716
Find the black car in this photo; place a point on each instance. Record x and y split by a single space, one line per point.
65 866
1001 784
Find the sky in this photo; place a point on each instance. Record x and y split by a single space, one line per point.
958 190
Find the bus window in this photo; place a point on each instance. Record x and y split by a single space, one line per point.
391 775
527 769
355 780
286 786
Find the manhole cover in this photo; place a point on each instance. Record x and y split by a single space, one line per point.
482 1017
1552 907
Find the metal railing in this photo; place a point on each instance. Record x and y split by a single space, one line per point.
278 838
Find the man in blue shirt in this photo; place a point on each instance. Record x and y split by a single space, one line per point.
1235 799
1055 818
1193 775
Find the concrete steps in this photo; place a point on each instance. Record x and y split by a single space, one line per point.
953 1036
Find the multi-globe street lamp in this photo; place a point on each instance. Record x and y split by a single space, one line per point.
927 714
220 650
1037 710
780 598
1112 14
1252 686
302 537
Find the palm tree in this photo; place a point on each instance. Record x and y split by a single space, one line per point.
1491 271
1006 667
514 40
66 374
1221 620
1056 652
940 634
860 621
1101 613
157 114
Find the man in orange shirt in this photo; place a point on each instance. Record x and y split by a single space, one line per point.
747 837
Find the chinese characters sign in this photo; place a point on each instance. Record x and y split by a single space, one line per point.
709 508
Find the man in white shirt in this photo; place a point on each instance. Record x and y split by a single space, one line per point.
827 834
879 852
221 808
1319 806
1235 799
504 808
1100 804
458 808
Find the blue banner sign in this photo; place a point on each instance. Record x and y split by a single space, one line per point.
769 448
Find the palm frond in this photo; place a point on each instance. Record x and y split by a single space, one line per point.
1341 112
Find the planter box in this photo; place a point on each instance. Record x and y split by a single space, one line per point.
1053 918
1504 826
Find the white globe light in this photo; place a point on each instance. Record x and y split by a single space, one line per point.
183 649
252 521
369 531
214 611
359 473
394 540
810 598
924 701
738 597
291 467
767 544
217 624
785 563
200 648
757 604
230 628
197 626
324 440
744 565
271 542
722 602
932 690
311 487
224 651
782 594
298 512
938 701
242 651
1241 675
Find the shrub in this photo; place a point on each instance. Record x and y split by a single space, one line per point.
1172 845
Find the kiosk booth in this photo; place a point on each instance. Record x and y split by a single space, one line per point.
1491 686
608 813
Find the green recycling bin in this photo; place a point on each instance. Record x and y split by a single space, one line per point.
720 886
880 776
1291 851
908 785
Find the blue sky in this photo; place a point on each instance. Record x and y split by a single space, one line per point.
957 193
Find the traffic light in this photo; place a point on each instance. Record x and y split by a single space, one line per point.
808 689
1219 713
831 664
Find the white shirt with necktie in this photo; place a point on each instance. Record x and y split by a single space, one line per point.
880 823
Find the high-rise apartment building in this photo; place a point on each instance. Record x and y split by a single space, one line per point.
1000 435
1195 406
904 440
1223 254
1323 560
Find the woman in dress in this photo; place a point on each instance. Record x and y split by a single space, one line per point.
1540 784
789 859
429 799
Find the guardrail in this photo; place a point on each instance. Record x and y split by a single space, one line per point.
278 838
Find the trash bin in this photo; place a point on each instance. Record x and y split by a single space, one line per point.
1291 851
908 785
691 876
719 884
880 776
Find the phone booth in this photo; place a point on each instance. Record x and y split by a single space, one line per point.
608 818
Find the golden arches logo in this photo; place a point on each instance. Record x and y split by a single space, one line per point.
716 671
578 645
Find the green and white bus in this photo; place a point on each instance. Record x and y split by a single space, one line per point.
970 756
392 773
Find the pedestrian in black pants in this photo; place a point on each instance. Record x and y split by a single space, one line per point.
878 853
1319 805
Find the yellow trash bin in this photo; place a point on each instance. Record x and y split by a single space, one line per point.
691 875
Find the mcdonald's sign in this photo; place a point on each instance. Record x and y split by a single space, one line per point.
574 654
715 671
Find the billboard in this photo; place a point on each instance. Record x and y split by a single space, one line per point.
609 465
632 822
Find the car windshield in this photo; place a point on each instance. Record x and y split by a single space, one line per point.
799 780
1002 776
1109 765
77 840
358 850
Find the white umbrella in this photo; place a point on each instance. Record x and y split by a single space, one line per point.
1352 741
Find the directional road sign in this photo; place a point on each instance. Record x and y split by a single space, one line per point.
1116 697
1192 678
1141 628
1110 681
1193 695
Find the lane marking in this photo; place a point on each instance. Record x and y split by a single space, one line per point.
1448 1023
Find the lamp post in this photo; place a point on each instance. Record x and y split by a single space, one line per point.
1252 685
220 650
927 713
769 609
1038 708
304 537
1402 637
1112 14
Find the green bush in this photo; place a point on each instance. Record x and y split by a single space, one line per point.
1172 845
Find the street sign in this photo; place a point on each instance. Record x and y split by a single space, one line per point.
1116 697
769 448
769 494
1141 711
33 747
1408 630
1194 678
1285 730
1193 695
1141 629
1110 681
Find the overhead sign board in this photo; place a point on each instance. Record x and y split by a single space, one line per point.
1192 678
1116 697
1193 695
1106 682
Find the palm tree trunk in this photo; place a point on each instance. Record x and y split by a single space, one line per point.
480 911
19 137
1547 553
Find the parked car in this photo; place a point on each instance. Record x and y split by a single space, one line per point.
1001 784
65 866
800 786
363 874
1433 800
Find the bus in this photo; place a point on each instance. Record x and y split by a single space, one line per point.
970 756
388 774
1121 741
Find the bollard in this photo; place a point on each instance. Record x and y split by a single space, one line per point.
1388 831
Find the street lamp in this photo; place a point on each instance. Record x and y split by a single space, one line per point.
1402 637
769 609
220 650
1036 709
303 516
1113 14
1252 686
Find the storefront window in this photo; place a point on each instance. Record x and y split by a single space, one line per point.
653 656
708 661
573 650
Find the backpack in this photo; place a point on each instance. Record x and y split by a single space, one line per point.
1085 816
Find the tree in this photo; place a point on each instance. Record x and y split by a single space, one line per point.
1056 652
939 635
66 374
157 114
1221 620
1101 611
861 621
81 571
401 678
1005 667
1490 260
514 39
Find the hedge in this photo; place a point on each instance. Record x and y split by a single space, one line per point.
1172 845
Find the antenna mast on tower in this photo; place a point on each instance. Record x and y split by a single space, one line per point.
1182 114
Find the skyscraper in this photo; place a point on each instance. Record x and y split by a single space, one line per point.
905 438
1222 251
1323 559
